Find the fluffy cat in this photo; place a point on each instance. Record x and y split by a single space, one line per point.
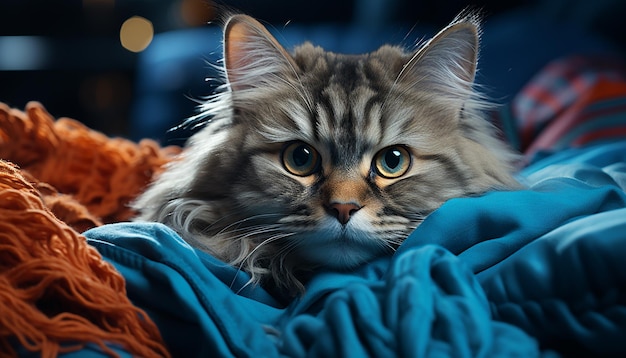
318 160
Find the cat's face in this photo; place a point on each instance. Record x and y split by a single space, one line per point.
348 162
319 159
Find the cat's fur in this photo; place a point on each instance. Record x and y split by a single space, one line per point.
232 195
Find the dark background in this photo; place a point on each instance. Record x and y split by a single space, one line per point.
67 54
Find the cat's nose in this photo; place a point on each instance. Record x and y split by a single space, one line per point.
343 211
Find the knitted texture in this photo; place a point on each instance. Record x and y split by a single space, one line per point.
57 294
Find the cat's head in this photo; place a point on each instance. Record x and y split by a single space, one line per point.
315 159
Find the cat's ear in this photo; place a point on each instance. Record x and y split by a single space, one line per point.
446 64
253 58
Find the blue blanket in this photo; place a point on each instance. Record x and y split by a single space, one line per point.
537 272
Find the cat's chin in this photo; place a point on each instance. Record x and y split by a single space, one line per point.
339 248
340 257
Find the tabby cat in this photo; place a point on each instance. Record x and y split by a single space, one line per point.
316 160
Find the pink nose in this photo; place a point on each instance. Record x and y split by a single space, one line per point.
343 211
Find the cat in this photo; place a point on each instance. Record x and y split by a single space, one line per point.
315 160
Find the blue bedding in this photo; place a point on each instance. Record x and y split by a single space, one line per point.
536 272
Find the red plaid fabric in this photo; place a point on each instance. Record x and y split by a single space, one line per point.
572 102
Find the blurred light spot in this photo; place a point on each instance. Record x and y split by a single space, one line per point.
136 34
19 53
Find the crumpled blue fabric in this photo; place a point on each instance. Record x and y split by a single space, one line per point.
550 259
415 304
535 272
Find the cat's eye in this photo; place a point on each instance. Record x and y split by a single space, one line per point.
392 162
300 159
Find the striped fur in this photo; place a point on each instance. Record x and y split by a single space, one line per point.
231 194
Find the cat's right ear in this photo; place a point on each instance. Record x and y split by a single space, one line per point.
446 64
253 58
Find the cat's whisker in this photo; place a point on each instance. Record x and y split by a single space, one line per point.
253 230
284 253
255 233
393 243
385 243
395 239
245 220
267 242
245 260
207 230
238 228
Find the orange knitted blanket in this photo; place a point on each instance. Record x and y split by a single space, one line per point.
57 179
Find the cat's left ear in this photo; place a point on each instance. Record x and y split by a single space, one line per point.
446 64
253 58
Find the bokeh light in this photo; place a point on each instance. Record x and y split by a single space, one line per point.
136 33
